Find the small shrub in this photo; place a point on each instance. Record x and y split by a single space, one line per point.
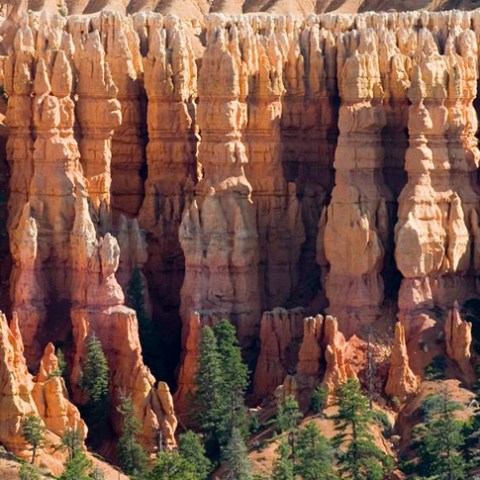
319 399
436 369
28 472
382 419
255 426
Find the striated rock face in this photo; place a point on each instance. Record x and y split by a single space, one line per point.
356 223
262 168
59 77
170 81
218 233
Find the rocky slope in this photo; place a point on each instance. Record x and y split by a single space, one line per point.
313 180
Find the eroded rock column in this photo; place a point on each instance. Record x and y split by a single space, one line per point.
355 226
218 233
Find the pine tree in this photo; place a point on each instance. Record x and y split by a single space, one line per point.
234 380
471 430
288 414
314 455
208 395
235 461
72 442
28 472
319 399
81 468
94 382
192 450
359 458
62 365
149 337
131 454
439 440
171 466
283 468
33 431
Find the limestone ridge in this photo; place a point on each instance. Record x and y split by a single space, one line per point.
308 163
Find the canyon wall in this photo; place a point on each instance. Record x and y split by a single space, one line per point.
265 169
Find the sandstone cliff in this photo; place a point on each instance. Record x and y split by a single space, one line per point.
268 169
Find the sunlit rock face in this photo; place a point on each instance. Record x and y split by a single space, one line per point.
312 179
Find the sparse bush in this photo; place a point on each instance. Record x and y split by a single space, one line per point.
28 472
382 419
436 369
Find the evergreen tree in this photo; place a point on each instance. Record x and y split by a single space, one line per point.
131 454
283 468
235 461
438 441
81 468
208 395
72 442
62 365
221 381
172 466
288 414
314 455
358 456
95 380
33 431
319 399
149 337
28 472
192 450
234 380
471 430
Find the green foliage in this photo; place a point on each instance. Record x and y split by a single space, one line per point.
235 461
95 380
72 442
171 466
81 468
438 442
234 378
62 365
130 453
471 429
33 431
255 426
283 468
208 395
28 472
314 454
149 337
221 381
382 419
192 450
436 369
319 399
358 456
288 414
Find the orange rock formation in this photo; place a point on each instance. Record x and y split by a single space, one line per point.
247 164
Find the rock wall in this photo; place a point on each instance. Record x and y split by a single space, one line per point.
247 164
